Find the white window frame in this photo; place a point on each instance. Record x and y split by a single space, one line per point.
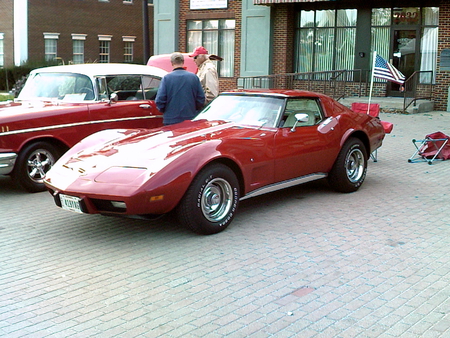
78 54
52 54
128 48
104 48
2 50
200 33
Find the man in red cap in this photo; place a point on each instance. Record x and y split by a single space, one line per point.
207 73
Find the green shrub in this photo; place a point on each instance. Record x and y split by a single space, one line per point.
6 97
10 75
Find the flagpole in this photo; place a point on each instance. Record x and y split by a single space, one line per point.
371 79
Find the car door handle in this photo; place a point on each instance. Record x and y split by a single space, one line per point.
145 106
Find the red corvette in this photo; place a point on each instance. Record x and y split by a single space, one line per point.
243 144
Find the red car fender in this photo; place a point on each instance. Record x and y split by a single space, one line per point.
22 140
172 182
362 133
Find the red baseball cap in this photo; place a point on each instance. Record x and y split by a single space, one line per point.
197 51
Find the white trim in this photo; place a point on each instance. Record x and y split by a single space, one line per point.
208 4
79 36
285 184
20 27
51 36
104 37
128 38
60 126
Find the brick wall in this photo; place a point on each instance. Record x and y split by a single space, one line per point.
89 17
442 77
283 39
232 12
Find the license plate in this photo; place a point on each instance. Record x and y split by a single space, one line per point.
70 203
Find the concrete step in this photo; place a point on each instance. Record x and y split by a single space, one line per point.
392 104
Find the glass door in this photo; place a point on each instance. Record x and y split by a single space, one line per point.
404 56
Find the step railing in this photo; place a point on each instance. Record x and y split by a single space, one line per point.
333 83
340 83
419 86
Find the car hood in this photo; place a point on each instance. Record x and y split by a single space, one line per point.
132 147
146 151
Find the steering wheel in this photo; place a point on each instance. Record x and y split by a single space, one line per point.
88 91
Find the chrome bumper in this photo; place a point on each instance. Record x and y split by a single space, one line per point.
7 161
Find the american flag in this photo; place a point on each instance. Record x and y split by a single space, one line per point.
384 70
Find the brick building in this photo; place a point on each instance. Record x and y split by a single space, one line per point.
262 37
73 31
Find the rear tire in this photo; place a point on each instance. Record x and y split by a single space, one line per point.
349 170
33 162
211 201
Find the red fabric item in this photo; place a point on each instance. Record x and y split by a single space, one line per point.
361 107
434 143
197 51
388 126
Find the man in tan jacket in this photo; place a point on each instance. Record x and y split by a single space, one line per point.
207 73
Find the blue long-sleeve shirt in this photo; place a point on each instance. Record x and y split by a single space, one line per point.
180 96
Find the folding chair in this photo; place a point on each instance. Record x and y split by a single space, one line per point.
361 107
434 146
372 110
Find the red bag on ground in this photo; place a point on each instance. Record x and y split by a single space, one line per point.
434 142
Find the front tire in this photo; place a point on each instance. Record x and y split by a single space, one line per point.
33 162
211 201
349 170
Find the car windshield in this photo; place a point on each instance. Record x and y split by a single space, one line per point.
244 109
57 86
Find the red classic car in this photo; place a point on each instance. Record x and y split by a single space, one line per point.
163 61
243 144
61 105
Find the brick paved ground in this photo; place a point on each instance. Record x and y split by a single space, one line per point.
304 262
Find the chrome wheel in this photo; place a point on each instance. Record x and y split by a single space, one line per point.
355 165
216 200
33 162
39 162
211 201
350 168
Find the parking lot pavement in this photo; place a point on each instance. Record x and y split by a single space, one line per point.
303 262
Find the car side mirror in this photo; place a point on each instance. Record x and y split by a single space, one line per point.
113 98
300 117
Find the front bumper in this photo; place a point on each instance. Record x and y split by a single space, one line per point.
7 161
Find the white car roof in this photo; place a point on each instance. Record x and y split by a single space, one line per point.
99 69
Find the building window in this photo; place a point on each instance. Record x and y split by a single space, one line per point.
217 36
381 31
128 49
2 51
406 21
127 1
429 41
104 48
325 40
78 48
51 46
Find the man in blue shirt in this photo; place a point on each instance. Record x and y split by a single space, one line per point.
180 94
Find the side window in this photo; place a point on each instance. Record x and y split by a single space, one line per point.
303 106
102 87
125 86
150 85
